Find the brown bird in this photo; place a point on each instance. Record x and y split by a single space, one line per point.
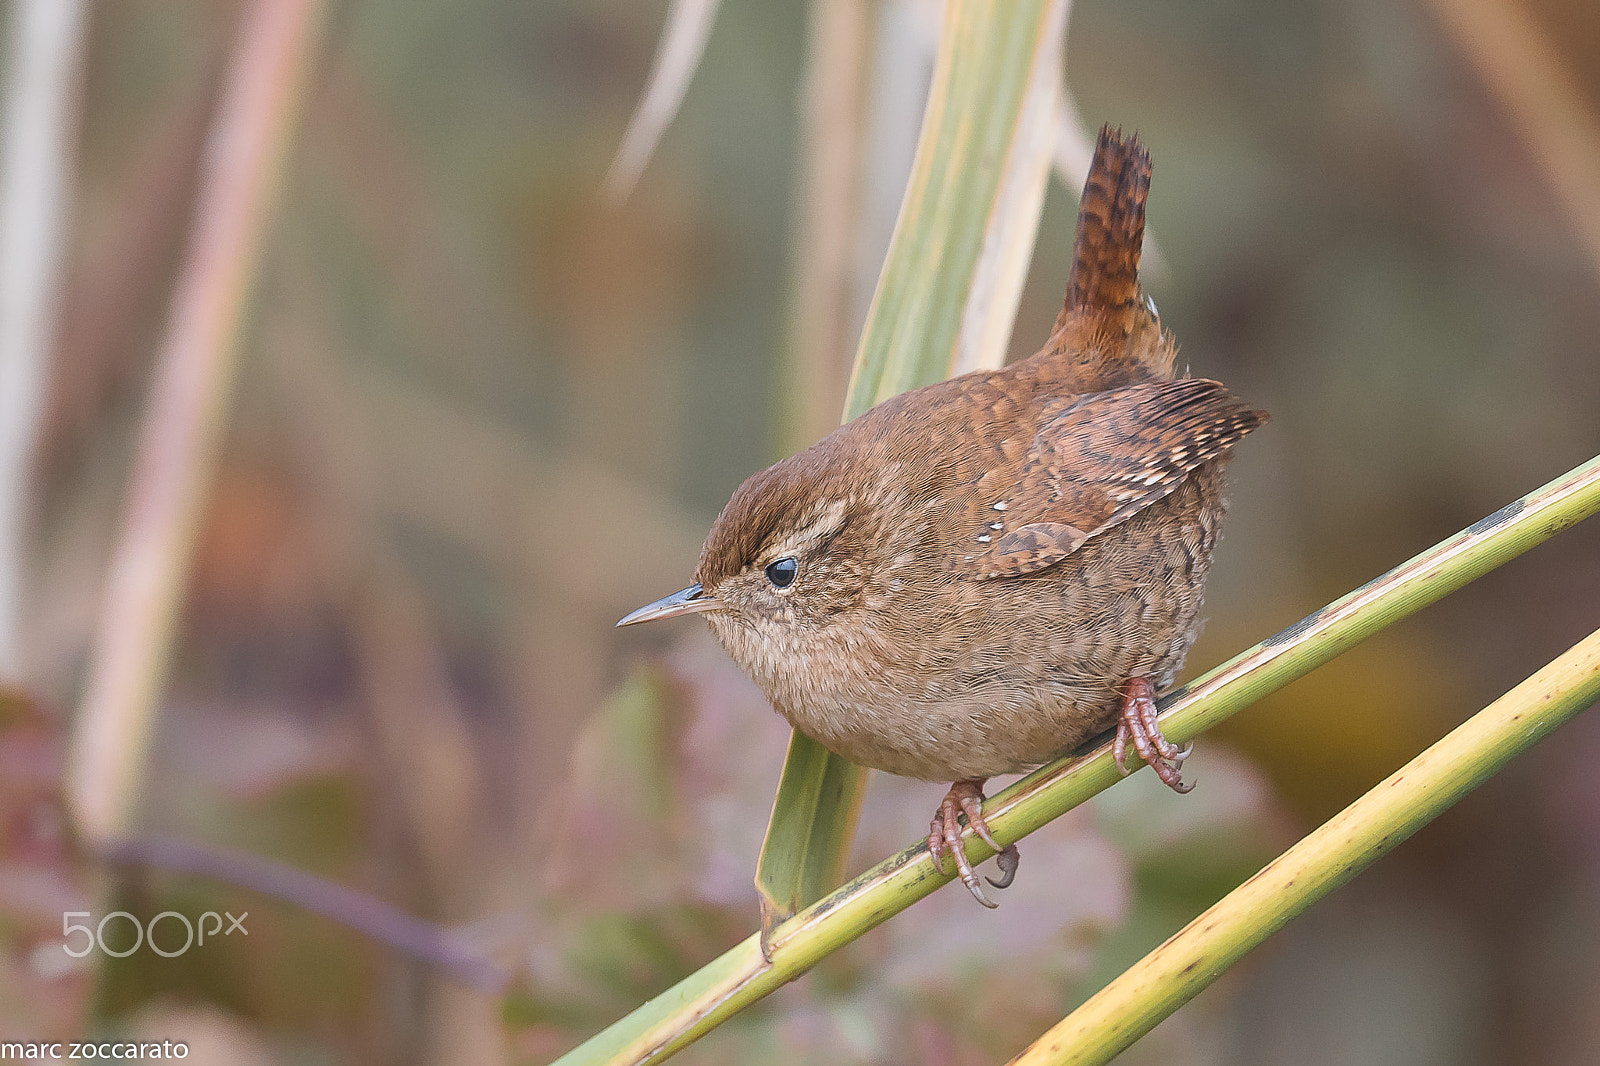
976 576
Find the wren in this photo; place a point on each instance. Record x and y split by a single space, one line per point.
977 576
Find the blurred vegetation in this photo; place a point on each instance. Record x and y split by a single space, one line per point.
482 413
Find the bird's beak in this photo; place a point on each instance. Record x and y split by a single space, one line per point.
687 601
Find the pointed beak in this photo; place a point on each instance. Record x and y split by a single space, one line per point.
687 601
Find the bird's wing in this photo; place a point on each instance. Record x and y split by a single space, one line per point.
1095 462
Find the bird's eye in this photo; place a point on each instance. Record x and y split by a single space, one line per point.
781 572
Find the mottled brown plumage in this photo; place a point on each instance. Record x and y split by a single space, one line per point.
976 576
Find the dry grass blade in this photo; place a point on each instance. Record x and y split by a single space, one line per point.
42 75
683 41
178 442
829 217
1545 102
1073 149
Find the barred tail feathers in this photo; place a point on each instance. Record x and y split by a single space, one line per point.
1105 255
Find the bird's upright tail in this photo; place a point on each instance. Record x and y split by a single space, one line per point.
1116 337
1105 255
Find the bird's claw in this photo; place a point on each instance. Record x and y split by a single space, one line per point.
944 838
1138 725
1007 860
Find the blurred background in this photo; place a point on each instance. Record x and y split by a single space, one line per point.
475 410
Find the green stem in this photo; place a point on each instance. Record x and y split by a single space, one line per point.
1369 828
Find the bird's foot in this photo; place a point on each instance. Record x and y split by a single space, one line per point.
944 838
1137 724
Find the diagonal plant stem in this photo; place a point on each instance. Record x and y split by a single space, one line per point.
740 977
683 41
1368 829
447 949
179 440
1545 102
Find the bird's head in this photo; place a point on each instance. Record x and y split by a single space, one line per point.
782 558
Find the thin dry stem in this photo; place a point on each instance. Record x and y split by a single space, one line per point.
46 43
1547 106
827 274
178 443
682 43
366 914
